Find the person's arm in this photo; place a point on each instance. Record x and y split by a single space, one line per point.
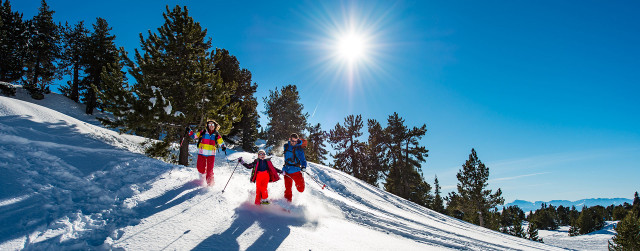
247 165
303 160
193 135
221 142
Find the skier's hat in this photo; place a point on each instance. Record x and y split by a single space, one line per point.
209 121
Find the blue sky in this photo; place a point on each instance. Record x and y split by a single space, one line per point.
545 91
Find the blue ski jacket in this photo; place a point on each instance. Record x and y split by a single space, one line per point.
294 158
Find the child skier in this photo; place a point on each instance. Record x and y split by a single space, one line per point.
208 140
263 172
294 162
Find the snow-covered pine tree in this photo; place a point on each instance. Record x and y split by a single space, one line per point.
438 202
100 52
349 150
75 40
284 112
43 53
316 151
176 84
475 199
13 41
244 131
406 155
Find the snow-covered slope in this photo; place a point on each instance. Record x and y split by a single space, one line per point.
70 184
597 240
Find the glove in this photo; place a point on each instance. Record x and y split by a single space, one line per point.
240 159
304 168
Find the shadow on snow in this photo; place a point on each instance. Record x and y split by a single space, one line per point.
275 229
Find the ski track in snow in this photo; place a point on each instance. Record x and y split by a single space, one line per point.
71 184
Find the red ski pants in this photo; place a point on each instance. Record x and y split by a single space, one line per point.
262 180
289 178
205 165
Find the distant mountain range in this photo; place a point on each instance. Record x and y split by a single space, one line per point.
532 206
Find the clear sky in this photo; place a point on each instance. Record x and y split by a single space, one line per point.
547 92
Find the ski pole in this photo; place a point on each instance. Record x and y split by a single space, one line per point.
314 179
234 170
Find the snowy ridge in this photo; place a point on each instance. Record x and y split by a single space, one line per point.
70 184
533 206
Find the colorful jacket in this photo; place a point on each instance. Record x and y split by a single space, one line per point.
293 158
273 172
208 144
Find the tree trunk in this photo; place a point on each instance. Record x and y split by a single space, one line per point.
91 99
183 158
74 85
481 219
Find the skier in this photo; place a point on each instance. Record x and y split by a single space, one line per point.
294 162
208 140
263 173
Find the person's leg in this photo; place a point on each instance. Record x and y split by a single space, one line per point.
262 180
287 187
257 202
201 164
210 162
299 179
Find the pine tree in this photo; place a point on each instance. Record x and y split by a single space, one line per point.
511 214
532 232
285 116
475 199
406 155
176 84
245 131
316 145
454 205
619 212
13 41
590 219
627 234
636 199
376 162
438 202
43 53
350 151
100 52
117 97
75 39
517 229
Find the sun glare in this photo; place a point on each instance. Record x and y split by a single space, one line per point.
351 47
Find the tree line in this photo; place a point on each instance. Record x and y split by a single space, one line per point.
587 220
178 78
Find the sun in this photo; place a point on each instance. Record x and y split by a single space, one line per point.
351 47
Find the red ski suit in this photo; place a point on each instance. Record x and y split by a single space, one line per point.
262 178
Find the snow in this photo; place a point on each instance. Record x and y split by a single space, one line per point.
68 183
597 240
